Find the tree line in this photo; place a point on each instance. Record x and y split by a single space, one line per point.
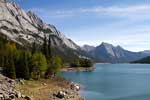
18 62
35 62
82 62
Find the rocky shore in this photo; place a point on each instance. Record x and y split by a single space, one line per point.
70 93
54 89
8 91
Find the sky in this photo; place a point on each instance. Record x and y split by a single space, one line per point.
119 22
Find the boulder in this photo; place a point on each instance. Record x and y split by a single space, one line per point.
20 81
11 96
1 96
27 98
61 94
75 86
18 95
9 99
23 96
44 84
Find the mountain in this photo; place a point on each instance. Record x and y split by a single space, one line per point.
26 28
145 60
114 54
146 51
87 48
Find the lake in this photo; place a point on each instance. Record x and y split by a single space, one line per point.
114 82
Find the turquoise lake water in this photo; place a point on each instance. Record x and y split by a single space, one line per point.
114 82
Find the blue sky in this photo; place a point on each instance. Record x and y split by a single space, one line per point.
120 22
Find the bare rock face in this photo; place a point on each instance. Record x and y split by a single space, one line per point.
26 28
115 54
88 48
6 87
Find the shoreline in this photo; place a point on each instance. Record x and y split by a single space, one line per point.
79 69
43 89
54 89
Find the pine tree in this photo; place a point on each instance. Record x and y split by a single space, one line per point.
34 49
49 72
49 48
25 67
1 59
10 68
6 64
45 47
29 61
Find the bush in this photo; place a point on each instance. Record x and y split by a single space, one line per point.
82 63
86 63
76 63
39 65
54 67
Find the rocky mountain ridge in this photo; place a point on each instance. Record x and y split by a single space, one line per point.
26 28
145 60
114 54
87 48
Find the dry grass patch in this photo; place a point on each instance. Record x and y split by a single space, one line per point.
43 89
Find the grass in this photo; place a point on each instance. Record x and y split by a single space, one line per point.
42 89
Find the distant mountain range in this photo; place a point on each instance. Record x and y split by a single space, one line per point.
113 54
146 51
145 60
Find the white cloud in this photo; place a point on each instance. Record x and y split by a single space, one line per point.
119 9
116 11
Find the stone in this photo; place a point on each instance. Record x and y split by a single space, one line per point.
75 86
10 81
61 94
20 81
27 98
9 99
23 96
18 95
44 84
6 96
7 91
11 96
1 96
